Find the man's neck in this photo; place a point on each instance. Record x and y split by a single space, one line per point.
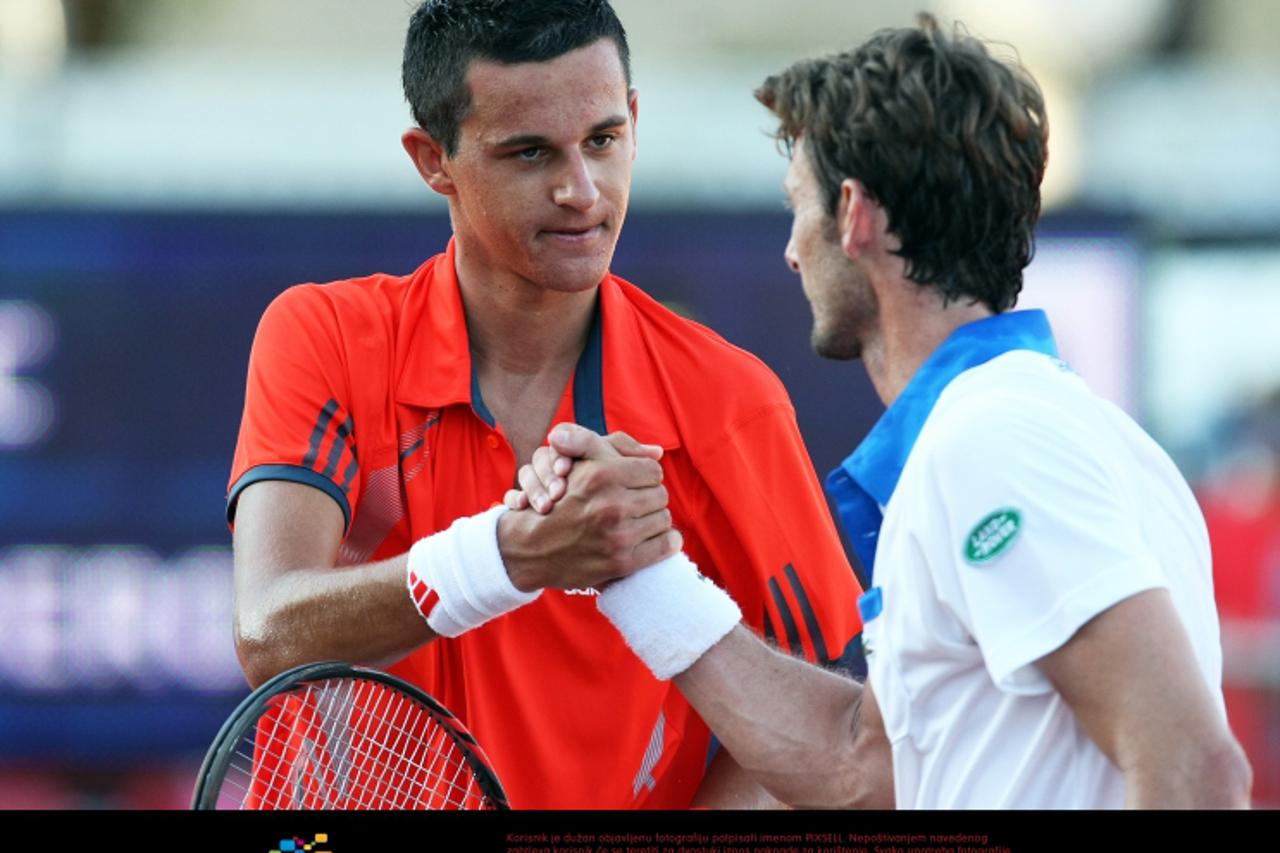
913 324
525 343
519 328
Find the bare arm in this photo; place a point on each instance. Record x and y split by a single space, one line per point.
1130 678
726 785
810 737
294 606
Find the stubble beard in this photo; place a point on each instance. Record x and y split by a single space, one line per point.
842 323
835 344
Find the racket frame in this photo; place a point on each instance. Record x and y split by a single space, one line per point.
246 715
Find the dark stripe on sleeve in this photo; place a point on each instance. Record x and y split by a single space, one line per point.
806 610
293 474
346 428
770 633
788 621
335 452
317 435
350 474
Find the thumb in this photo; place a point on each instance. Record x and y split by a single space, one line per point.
578 442
628 446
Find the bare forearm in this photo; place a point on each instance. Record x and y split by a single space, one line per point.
726 785
1124 675
1195 776
793 726
361 614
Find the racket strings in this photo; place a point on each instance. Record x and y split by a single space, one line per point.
333 746
374 775
364 776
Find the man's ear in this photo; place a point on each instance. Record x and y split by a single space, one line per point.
429 159
855 218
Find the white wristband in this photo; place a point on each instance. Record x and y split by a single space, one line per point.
456 577
669 614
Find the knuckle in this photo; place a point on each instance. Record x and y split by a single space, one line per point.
611 514
652 471
591 477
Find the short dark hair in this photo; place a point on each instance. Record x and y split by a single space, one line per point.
951 142
445 35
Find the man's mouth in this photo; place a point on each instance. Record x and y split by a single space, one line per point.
575 235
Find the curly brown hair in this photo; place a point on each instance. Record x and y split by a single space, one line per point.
951 142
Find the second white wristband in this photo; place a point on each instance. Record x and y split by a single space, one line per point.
669 614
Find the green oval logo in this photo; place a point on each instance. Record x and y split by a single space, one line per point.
992 536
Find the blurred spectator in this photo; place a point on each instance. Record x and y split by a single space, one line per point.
1241 502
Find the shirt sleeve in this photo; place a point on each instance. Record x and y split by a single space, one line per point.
771 540
1042 534
297 425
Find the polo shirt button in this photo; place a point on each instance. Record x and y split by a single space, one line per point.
493 441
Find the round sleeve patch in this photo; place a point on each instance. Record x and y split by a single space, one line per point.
992 536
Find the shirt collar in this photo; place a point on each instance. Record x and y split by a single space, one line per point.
864 482
434 358
433 355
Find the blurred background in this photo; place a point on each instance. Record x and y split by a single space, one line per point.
166 168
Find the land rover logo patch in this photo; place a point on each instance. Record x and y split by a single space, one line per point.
992 536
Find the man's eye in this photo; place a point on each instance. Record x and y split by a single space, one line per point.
604 140
530 154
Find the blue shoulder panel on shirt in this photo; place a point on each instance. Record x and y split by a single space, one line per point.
865 481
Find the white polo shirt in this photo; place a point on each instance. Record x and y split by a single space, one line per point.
1027 506
1003 505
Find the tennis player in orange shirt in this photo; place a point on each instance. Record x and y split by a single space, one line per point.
386 416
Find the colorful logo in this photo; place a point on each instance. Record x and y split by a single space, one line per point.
319 844
992 536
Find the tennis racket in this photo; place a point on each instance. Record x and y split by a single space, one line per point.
335 736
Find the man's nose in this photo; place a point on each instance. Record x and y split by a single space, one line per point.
575 185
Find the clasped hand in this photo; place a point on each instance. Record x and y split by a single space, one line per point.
589 509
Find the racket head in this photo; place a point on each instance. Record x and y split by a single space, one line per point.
330 735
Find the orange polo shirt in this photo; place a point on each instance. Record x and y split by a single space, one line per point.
365 389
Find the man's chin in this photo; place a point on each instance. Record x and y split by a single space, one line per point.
573 277
836 348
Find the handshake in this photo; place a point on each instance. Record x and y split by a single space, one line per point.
599 512
591 511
